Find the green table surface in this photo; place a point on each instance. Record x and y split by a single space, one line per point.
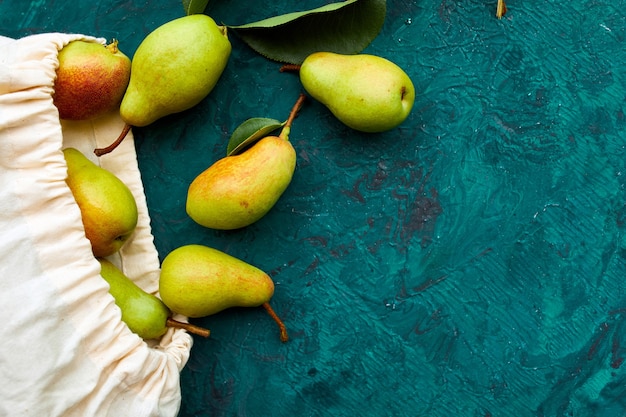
468 263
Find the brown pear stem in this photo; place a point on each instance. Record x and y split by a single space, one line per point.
283 330
200 331
284 134
500 9
111 147
290 68
112 47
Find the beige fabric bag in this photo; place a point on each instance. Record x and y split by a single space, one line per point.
63 348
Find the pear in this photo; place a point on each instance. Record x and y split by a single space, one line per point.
366 92
240 189
199 281
174 68
91 80
144 313
107 206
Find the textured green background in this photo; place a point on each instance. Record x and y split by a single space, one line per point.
468 263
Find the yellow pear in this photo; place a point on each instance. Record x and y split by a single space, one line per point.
174 68
107 206
199 281
144 313
366 92
240 189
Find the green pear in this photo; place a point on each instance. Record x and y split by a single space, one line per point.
199 281
174 68
144 313
366 92
107 206
91 80
240 189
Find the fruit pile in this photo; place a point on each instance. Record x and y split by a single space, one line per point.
367 93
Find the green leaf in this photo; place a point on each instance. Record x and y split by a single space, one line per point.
194 6
249 132
345 27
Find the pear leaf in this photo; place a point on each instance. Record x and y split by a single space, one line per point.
345 27
194 6
249 132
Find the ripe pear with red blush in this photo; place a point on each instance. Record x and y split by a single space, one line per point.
91 80
107 206
240 189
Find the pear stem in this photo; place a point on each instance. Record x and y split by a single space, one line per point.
283 330
290 68
284 133
112 47
197 330
500 9
111 147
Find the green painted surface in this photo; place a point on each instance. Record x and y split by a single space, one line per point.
468 263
